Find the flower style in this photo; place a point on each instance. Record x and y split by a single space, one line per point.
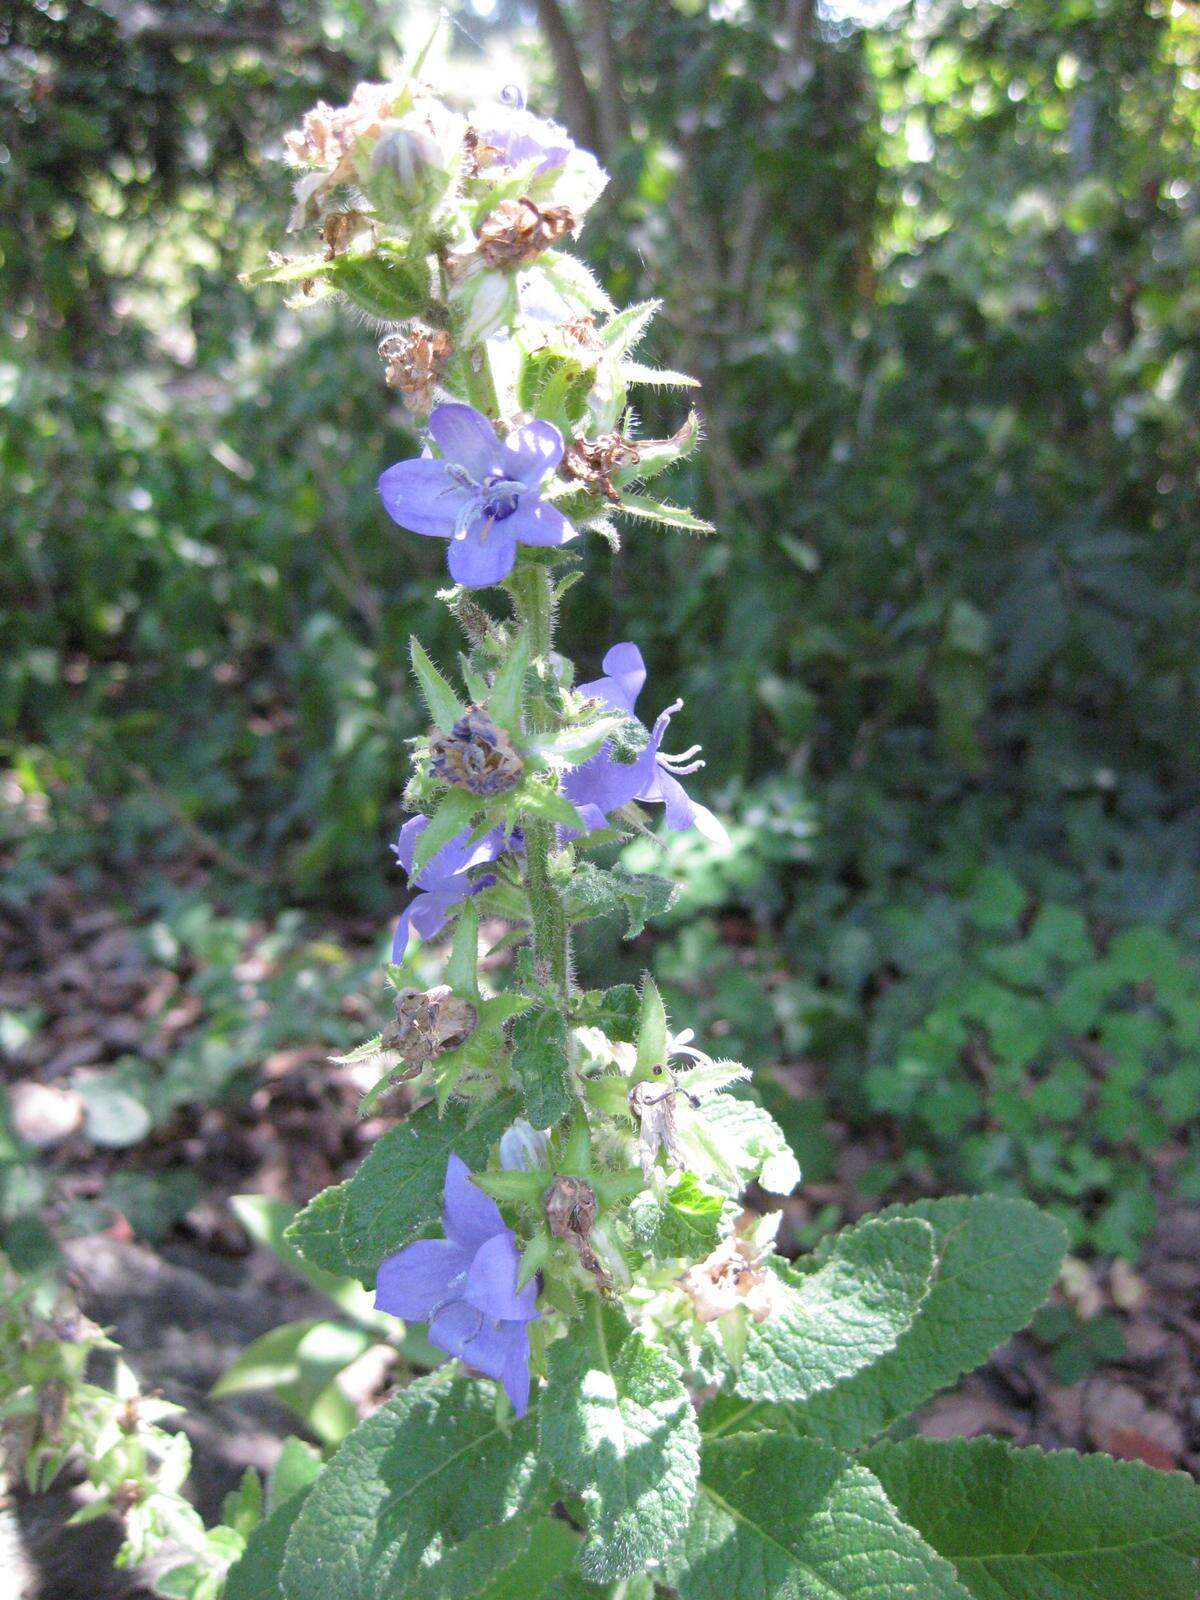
603 785
465 1287
482 495
443 882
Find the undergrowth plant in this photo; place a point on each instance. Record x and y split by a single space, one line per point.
640 1393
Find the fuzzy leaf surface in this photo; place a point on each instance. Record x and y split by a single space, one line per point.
1027 1525
617 1425
842 1317
794 1519
539 1064
423 1473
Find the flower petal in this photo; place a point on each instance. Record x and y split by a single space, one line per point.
466 437
401 936
414 1282
680 809
515 1376
535 522
492 1281
429 911
421 496
406 842
607 784
532 451
471 1217
476 563
625 677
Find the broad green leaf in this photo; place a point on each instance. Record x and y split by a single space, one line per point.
451 815
601 891
648 510
513 1560
1026 1525
508 689
652 1028
539 1065
397 1192
444 705
617 1426
794 1519
996 1262
256 1575
687 1225
842 1317
408 1485
297 1467
299 1362
736 1142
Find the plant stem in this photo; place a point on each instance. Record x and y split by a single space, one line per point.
530 585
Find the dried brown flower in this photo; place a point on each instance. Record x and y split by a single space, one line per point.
415 361
571 1210
593 461
731 1276
339 228
517 232
476 755
652 1103
429 1022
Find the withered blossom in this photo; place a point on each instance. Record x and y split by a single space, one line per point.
415 361
730 1277
427 1023
476 755
517 232
592 462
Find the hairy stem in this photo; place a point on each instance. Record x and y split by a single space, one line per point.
532 592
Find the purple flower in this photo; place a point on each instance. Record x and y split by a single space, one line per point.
482 494
443 882
518 135
465 1287
602 785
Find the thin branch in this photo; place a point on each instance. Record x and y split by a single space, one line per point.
578 106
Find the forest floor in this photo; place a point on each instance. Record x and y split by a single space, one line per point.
85 990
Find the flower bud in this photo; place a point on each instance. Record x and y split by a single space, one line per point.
523 1148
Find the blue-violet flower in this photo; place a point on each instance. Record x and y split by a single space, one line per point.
603 784
465 1287
443 882
482 495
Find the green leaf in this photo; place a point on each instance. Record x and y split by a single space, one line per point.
299 1362
736 1142
451 815
536 799
267 1222
996 1262
648 510
687 1225
297 1467
617 1426
793 1519
463 966
444 705
409 1484
1022 1523
385 284
508 689
512 1560
657 377
842 1317
652 1028
600 891
539 1064
256 1575
397 1192
622 331
615 1011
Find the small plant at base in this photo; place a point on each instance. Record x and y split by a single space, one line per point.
644 1392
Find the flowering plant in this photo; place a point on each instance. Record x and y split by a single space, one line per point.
641 1393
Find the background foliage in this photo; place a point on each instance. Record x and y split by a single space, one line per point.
938 277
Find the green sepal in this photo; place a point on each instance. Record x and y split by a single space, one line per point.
652 1030
444 705
506 696
647 510
451 815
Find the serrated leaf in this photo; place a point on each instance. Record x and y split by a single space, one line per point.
996 1262
451 815
409 1484
508 688
648 510
397 1192
540 1067
511 1560
444 705
841 1318
617 1425
793 1519
601 891
463 965
1022 1523
736 1142
686 1225
652 1028
615 1012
